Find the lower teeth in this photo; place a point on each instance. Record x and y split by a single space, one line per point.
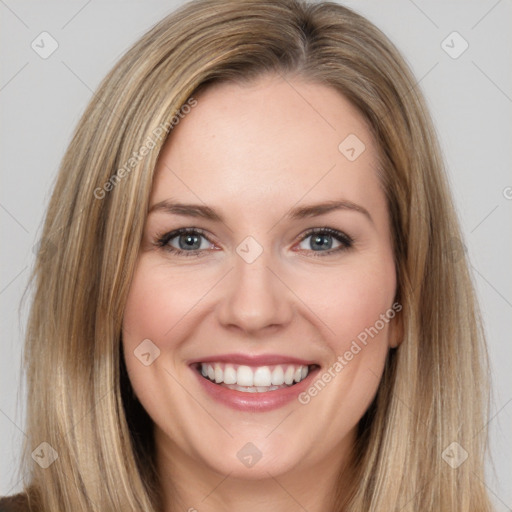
253 389
249 389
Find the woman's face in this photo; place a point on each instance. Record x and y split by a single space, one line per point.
283 274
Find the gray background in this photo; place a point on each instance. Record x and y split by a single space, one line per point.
469 96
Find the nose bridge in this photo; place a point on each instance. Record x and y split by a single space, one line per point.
255 298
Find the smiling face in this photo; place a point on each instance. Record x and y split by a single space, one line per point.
264 288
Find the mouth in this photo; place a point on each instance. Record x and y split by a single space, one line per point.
259 379
254 387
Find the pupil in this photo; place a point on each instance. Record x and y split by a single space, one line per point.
322 241
189 242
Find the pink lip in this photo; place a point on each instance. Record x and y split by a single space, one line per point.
254 402
253 360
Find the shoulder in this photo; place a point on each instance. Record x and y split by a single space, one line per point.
16 503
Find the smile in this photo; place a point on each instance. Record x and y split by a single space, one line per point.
260 379
253 383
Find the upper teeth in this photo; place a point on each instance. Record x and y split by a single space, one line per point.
254 376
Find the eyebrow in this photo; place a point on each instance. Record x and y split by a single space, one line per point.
302 212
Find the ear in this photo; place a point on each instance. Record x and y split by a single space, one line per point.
396 327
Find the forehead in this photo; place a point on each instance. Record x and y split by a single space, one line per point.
271 141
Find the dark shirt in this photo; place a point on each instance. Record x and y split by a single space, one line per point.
16 503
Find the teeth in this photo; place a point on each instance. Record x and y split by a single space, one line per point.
218 374
278 376
252 389
244 376
254 379
289 375
262 376
229 375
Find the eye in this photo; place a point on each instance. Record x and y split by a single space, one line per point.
193 242
325 241
185 241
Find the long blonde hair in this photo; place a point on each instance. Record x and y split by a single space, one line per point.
434 389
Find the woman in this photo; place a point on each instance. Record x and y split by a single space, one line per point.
248 294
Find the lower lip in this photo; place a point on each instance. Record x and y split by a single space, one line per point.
255 402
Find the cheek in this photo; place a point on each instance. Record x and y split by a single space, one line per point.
356 306
158 306
352 301
155 306
159 300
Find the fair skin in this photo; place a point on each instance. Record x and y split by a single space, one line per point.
253 153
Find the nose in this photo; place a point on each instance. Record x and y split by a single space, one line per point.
254 298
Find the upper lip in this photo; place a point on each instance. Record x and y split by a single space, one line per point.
253 360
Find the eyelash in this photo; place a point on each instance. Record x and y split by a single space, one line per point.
162 241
